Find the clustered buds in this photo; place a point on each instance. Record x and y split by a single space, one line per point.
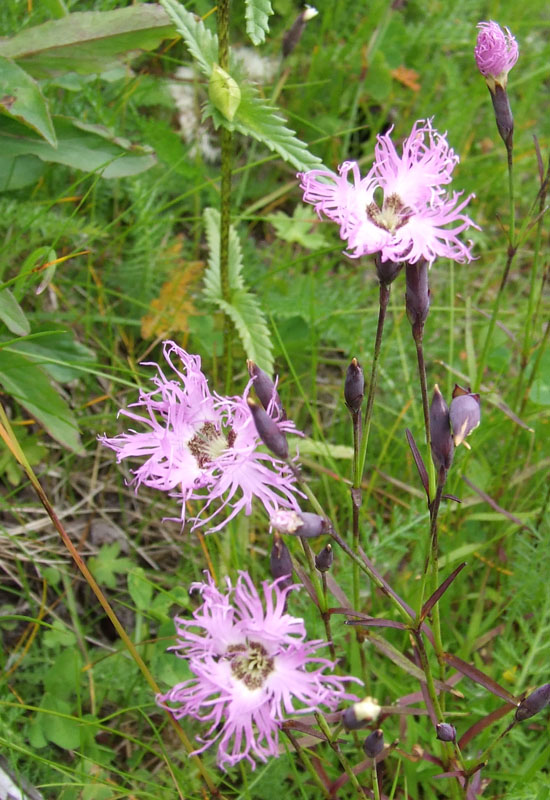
374 744
354 386
360 714
533 703
445 732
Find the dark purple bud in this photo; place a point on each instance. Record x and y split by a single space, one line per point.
464 414
387 271
534 703
280 562
359 714
294 34
313 526
265 390
299 523
268 430
374 744
354 386
324 559
445 732
440 430
417 293
503 114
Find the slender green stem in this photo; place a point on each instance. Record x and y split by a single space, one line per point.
305 759
356 501
375 786
326 617
341 757
383 305
418 334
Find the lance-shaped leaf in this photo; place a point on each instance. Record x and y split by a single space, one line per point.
21 99
422 471
79 145
481 724
402 661
480 677
257 13
440 591
12 315
88 42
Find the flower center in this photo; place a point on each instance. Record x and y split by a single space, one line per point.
393 214
250 664
209 443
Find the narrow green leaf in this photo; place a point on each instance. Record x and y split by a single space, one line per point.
202 43
257 15
212 279
256 118
88 42
250 322
81 146
12 314
30 387
21 98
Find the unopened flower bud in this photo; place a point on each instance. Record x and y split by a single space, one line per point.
464 414
445 732
286 521
266 390
314 525
440 431
280 561
496 52
361 713
374 744
294 34
268 430
354 386
534 703
324 559
417 293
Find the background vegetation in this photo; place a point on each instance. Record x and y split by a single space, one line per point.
101 268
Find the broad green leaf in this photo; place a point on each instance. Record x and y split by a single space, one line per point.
88 42
249 320
30 387
61 730
91 148
18 172
212 278
298 228
21 98
108 564
140 588
12 314
257 118
202 43
257 15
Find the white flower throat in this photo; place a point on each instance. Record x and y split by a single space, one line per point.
250 663
391 216
209 443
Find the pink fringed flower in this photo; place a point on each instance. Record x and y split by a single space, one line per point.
496 52
251 663
400 208
200 446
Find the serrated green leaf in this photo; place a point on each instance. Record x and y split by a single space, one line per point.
12 315
212 279
30 387
257 15
88 42
256 118
21 98
201 43
250 322
79 145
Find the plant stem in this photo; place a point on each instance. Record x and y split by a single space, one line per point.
341 757
418 335
306 761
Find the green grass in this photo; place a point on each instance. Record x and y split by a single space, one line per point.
77 718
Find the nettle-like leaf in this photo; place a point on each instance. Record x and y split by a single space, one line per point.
202 43
257 15
298 228
242 307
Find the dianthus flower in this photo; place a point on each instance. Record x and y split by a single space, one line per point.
200 446
251 663
496 52
400 208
